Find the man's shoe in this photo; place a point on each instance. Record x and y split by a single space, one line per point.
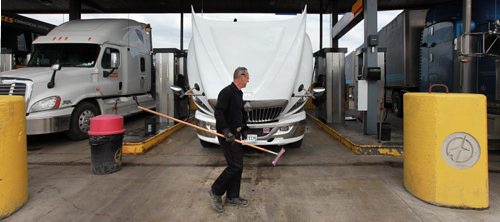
216 202
238 201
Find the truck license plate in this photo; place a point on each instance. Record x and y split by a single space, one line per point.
251 138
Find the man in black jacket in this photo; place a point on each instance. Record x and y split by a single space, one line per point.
230 120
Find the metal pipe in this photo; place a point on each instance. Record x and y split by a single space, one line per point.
467 15
467 78
182 31
320 24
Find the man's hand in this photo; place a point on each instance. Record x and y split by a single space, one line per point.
228 135
243 132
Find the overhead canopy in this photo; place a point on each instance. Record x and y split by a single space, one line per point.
207 6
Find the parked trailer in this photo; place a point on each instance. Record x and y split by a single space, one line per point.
401 39
425 47
81 69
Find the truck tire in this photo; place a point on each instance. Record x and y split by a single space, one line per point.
295 144
397 104
80 120
206 144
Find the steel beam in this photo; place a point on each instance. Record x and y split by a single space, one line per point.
334 19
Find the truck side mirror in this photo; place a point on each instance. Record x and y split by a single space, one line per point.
318 91
56 67
52 83
176 89
115 63
180 91
115 60
28 57
301 87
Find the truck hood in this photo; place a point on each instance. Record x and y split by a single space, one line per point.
277 54
69 80
39 74
35 74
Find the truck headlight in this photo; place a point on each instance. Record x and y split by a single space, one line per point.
48 103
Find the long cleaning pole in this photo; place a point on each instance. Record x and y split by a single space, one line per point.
278 155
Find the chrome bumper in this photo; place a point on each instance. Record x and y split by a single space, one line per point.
295 132
47 125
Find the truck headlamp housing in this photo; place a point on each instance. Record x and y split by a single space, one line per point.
48 103
298 104
201 105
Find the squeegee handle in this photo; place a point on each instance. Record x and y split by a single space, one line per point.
206 130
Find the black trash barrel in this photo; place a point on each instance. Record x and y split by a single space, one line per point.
106 138
386 131
150 126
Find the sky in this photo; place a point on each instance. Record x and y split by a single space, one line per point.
166 27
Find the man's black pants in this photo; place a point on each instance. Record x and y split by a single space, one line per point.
230 179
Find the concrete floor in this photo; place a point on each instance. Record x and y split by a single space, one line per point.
321 181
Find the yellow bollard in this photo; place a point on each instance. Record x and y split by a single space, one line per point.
13 155
445 149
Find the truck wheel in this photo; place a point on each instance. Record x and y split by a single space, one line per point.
295 144
80 120
397 104
206 144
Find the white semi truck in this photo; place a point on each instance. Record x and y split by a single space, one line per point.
278 55
81 69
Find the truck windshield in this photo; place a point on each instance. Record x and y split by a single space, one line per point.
66 55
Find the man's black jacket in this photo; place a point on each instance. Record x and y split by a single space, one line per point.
229 112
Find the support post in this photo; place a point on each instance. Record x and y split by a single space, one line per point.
371 52
75 9
467 84
320 24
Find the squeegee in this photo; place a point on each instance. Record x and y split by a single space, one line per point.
278 155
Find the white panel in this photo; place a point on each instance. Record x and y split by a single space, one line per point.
5 62
362 95
165 79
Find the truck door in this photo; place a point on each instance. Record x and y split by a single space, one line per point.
437 55
112 84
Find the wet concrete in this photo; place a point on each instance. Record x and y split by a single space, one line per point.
321 181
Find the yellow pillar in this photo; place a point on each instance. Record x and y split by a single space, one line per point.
13 155
446 149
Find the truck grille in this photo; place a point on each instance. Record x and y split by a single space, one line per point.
262 115
261 111
15 89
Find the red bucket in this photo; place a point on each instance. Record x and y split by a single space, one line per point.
107 124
